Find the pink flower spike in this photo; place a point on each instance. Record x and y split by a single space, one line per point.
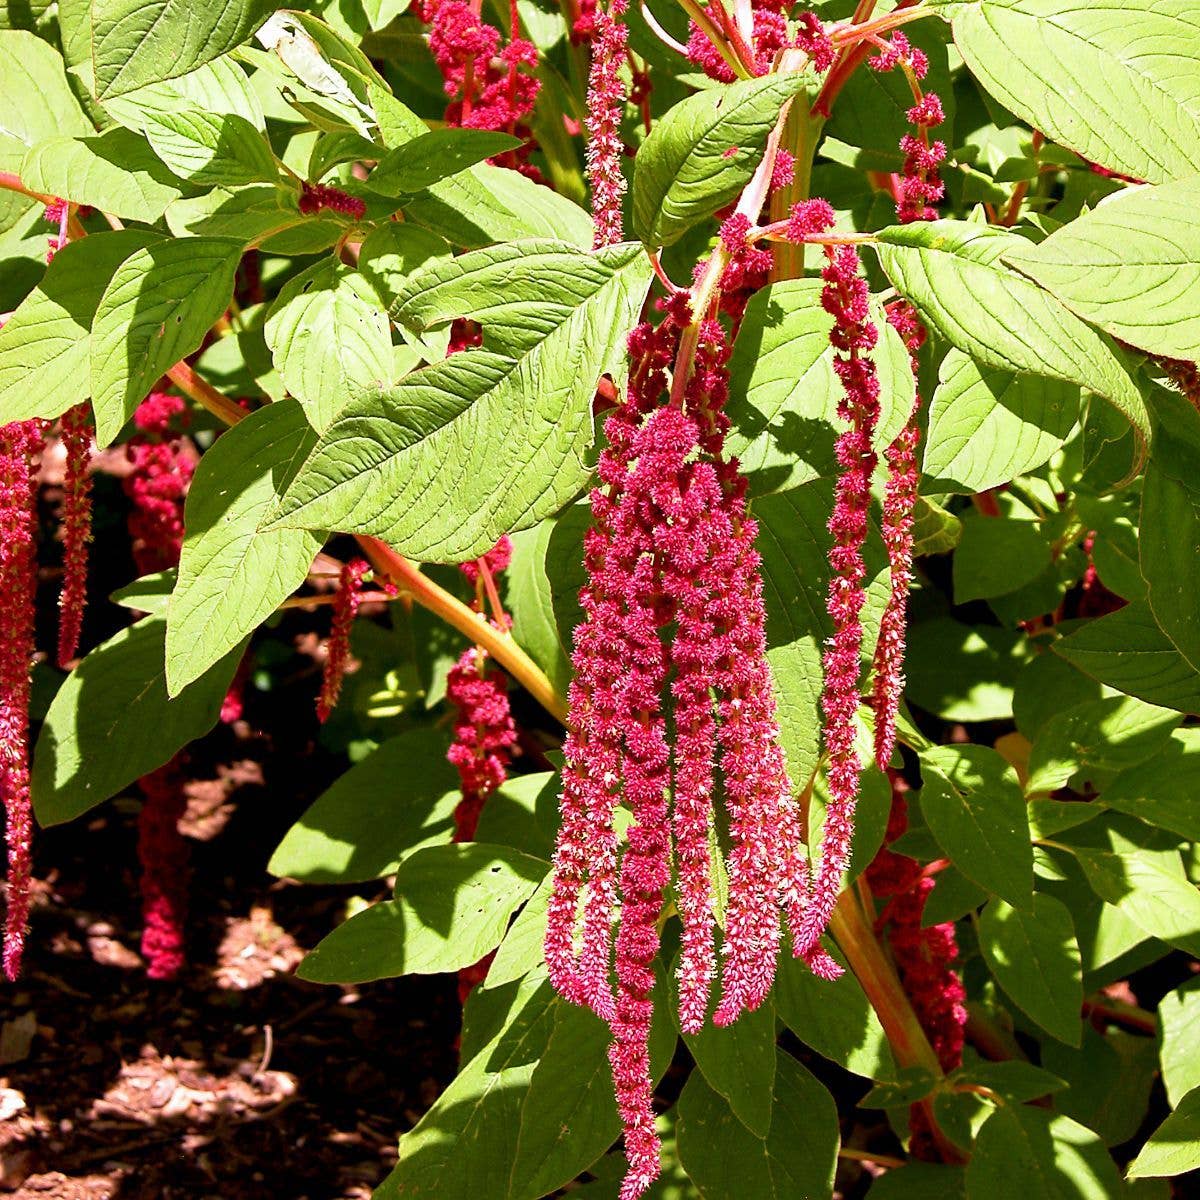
605 102
337 652
76 433
163 853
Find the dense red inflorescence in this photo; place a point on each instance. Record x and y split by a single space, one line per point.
76 435
20 447
337 650
854 336
493 87
606 99
163 853
316 196
671 551
924 957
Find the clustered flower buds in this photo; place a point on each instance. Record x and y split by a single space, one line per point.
671 684
337 650
163 853
20 447
76 434
316 196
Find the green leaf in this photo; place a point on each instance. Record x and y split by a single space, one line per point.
435 156
330 339
919 1181
953 896
963 672
702 152
1099 736
1112 80
997 555
452 906
834 1018
486 204
113 722
157 308
974 807
148 594
522 948
935 530
1149 888
219 87
135 42
483 443
738 1062
1110 1078
399 799
208 148
1035 959
911 1085
1128 651
396 250
44 345
988 426
1162 791
783 392
115 172
1174 1147
1169 533
796 1158
1014 1080
529 600
1129 265
1025 1153
1179 1020
231 576
952 271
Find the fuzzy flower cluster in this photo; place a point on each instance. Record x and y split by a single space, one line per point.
924 957
163 854
770 36
494 87
20 446
919 186
337 650
76 434
162 467
673 627
316 196
606 101
854 336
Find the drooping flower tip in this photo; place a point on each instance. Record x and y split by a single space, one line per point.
76 529
496 560
337 650
163 853
900 50
606 100
316 196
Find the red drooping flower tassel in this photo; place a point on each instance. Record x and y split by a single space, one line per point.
316 196
20 444
854 336
76 434
163 853
670 552
337 652
606 99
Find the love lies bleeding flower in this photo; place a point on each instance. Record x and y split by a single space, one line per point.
337 649
76 434
605 101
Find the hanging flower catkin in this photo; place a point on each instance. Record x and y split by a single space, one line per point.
606 100
163 853
76 434
337 650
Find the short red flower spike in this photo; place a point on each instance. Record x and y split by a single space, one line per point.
163 853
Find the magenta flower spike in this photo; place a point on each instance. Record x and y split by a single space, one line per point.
605 101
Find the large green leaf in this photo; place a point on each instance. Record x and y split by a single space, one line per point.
1179 1020
1109 78
1035 959
37 103
135 42
529 600
483 443
1174 1147
987 426
1150 888
702 152
231 576
784 392
452 906
963 672
1025 1153
434 156
1131 266
1128 651
834 1018
330 339
115 172
112 721
1163 790
45 344
796 1158
1098 736
220 87
952 271
398 799
208 148
157 308
974 807
997 555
